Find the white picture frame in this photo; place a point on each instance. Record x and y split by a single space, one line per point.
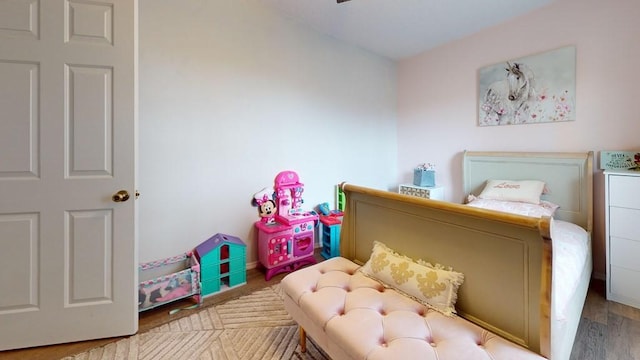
539 88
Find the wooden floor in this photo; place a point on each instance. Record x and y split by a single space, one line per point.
608 330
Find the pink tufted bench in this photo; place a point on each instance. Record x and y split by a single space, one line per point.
351 316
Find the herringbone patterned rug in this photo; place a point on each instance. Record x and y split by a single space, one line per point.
254 326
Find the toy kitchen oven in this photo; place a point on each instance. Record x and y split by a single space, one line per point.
286 232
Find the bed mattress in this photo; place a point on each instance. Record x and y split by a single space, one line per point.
571 252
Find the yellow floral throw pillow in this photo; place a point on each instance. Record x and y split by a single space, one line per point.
433 286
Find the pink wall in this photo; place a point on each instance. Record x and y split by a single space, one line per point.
437 94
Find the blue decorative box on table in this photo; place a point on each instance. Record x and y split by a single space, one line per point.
424 177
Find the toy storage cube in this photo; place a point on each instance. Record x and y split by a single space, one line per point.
236 277
213 281
233 271
330 236
330 241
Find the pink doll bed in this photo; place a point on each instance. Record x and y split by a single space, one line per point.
167 280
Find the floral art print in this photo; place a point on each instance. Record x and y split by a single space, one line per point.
534 89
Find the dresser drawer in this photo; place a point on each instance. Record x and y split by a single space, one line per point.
624 253
624 191
624 283
623 223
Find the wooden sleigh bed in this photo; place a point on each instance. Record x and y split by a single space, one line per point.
510 263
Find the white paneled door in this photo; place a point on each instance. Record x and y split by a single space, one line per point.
68 251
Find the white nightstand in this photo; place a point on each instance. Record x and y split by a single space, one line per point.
622 211
433 193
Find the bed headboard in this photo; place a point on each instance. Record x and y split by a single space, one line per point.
568 177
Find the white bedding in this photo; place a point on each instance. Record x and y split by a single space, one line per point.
571 245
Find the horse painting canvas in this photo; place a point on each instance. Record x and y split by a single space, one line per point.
534 89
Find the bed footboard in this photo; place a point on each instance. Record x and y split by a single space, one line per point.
506 259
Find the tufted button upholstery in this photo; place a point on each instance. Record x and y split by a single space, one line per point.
370 322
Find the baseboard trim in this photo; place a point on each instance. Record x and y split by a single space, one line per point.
599 276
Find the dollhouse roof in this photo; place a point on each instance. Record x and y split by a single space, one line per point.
216 241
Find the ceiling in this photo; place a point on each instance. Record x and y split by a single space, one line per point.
402 28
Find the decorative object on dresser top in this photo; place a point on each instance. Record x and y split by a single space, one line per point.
622 211
620 160
511 264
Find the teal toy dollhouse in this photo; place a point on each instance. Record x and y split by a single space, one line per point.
222 263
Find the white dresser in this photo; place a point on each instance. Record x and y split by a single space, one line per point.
622 221
433 193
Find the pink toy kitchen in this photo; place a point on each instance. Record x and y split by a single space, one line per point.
286 232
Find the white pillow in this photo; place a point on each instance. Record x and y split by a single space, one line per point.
545 208
528 191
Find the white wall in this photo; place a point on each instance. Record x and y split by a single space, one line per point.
231 94
437 94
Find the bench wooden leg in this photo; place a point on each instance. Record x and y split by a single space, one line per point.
303 340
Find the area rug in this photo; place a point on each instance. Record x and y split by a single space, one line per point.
255 326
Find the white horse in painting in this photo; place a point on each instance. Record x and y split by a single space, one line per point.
509 101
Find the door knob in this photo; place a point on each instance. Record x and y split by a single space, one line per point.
120 196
